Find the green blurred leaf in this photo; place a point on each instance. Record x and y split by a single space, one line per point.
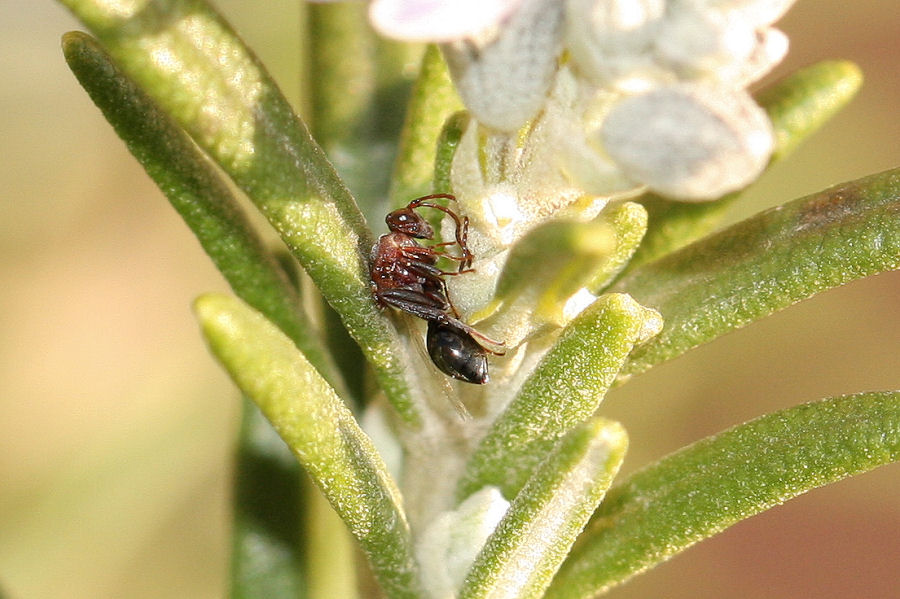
360 82
267 541
199 72
798 106
520 558
766 263
596 252
319 430
331 554
433 100
801 103
549 270
342 65
716 482
562 392
198 194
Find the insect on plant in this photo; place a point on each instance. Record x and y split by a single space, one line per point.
405 276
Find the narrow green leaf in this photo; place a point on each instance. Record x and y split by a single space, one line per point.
319 430
267 544
561 264
356 130
433 100
198 194
561 256
447 142
801 103
798 106
533 538
359 83
451 135
564 390
199 72
342 65
766 263
714 483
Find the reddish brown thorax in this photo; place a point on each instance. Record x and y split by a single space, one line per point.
404 275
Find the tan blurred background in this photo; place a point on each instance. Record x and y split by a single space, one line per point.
116 427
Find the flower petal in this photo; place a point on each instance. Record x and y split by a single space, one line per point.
504 81
438 20
610 39
694 142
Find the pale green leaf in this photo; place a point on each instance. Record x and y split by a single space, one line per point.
433 100
563 391
267 534
190 62
319 430
520 558
198 194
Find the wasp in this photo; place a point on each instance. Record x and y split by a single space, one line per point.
405 275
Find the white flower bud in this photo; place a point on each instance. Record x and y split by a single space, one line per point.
689 141
757 13
771 49
504 78
694 43
611 39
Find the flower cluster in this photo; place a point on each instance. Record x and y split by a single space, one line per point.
581 101
660 84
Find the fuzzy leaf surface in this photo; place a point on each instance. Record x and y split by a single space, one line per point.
714 483
520 558
563 391
766 263
197 193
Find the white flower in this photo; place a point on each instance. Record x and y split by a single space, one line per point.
503 75
691 141
646 65
611 41
681 122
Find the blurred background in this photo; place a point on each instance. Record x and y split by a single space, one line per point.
116 427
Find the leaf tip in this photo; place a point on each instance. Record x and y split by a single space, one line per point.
648 320
213 311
